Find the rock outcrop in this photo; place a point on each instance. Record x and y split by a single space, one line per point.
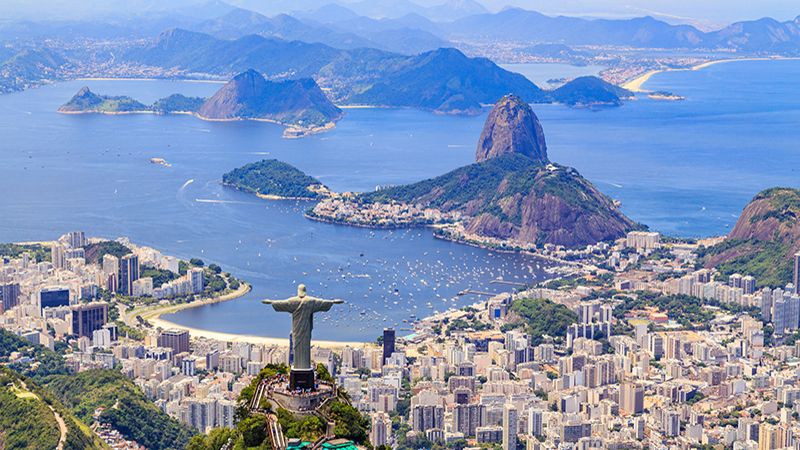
764 241
512 127
514 193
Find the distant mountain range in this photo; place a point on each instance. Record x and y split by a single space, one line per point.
764 35
358 32
418 30
21 68
443 80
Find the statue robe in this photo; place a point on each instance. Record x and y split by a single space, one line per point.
302 310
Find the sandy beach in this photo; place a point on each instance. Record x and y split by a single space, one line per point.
636 85
153 315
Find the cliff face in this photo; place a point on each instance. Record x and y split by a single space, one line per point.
292 102
764 240
560 207
512 127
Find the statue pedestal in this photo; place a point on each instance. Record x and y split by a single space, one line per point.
301 379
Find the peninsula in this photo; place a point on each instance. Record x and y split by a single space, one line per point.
512 195
273 179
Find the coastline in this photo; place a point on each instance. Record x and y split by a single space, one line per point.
637 84
290 131
153 315
188 80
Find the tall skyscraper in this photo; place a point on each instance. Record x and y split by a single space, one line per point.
110 279
88 317
388 343
748 284
128 273
9 296
631 399
510 419
468 417
177 340
381 431
58 255
535 422
75 239
196 280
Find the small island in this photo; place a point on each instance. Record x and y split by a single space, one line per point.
298 105
665 95
86 101
276 180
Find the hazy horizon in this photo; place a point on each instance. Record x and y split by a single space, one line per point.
705 14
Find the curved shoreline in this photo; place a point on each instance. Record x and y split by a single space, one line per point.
637 84
153 315
290 131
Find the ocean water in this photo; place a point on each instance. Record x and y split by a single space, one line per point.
541 73
683 168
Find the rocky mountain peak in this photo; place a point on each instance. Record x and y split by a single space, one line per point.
512 127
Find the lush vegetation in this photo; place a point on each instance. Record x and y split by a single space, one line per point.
27 422
691 312
767 261
590 90
465 184
40 361
96 251
764 241
272 177
159 276
214 440
493 181
126 407
38 252
446 80
178 103
87 101
541 317
784 202
350 423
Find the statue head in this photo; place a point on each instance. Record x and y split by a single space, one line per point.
301 290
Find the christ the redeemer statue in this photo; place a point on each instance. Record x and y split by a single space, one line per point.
302 307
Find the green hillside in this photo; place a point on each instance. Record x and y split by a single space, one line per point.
126 407
28 422
272 177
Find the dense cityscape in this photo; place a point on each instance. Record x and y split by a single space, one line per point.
600 357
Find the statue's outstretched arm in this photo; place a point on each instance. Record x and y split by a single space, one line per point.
280 305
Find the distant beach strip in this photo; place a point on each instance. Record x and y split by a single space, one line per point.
153 315
636 85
